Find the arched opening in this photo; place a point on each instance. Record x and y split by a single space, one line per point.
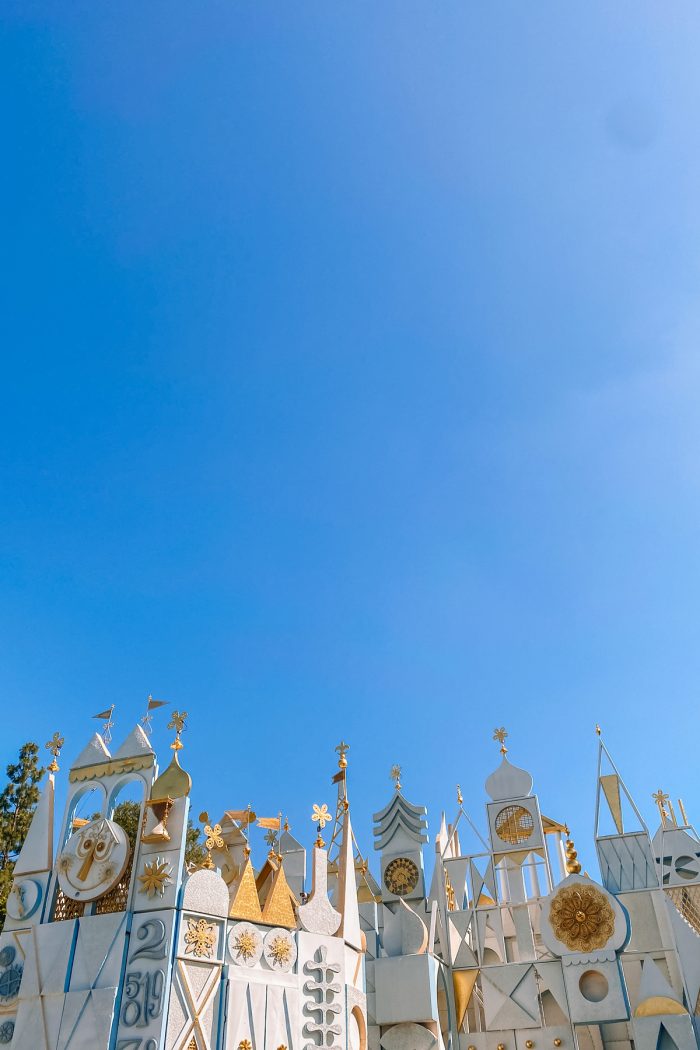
87 803
125 808
357 1030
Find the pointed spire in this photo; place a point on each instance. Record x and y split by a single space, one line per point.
136 745
246 903
36 854
93 753
347 888
279 906
403 818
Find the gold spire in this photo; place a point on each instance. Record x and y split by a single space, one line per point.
342 748
213 839
279 910
321 817
395 775
460 799
177 722
246 903
54 746
573 866
500 735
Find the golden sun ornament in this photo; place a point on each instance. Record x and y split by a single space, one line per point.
582 918
156 876
200 938
280 950
245 944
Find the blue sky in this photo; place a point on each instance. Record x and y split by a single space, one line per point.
350 386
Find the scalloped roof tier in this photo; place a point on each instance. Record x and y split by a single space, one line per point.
400 815
508 781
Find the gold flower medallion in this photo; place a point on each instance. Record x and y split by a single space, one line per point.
200 938
582 918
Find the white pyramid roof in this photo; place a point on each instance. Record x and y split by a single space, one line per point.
93 752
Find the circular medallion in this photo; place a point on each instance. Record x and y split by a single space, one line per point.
24 899
93 860
401 876
10 980
280 949
245 944
7 1030
7 955
514 825
581 918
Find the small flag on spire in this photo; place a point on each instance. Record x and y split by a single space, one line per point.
151 705
106 717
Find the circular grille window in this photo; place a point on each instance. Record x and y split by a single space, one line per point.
514 824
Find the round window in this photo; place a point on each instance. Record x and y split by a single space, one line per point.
514 824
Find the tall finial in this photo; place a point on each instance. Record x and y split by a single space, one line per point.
342 748
151 705
54 746
320 817
460 798
598 729
661 798
106 717
395 775
500 735
573 866
177 722
213 839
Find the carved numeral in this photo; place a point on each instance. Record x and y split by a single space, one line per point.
143 998
152 933
136 1044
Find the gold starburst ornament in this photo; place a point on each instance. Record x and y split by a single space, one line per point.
245 944
157 875
280 949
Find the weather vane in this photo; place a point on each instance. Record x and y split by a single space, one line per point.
177 722
395 775
106 717
151 705
500 735
54 746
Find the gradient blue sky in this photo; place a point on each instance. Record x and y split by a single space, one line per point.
350 388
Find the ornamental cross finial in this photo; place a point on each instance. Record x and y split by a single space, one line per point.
321 817
500 735
395 775
54 745
661 798
151 705
177 722
341 749
106 717
213 839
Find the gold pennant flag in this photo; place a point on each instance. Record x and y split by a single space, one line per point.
269 822
245 816
338 777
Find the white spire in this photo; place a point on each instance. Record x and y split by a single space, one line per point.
37 852
347 889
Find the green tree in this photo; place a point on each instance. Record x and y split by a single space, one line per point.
17 804
127 814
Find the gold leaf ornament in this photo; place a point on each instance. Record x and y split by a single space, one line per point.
157 874
200 938
581 918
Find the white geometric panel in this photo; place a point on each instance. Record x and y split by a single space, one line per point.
54 943
626 862
281 1007
239 1027
29 1026
552 981
87 1019
192 1012
459 925
510 996
99 952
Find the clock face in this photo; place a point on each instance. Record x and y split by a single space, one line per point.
93 860
514 824
401 876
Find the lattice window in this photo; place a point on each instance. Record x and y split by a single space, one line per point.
65 908
687 902
117 898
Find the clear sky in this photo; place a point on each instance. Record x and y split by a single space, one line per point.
350 389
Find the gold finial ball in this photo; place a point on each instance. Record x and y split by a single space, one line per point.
529 1044
557 1042
501 1046
395 775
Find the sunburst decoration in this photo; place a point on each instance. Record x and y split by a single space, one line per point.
156 876
200 938
245 944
